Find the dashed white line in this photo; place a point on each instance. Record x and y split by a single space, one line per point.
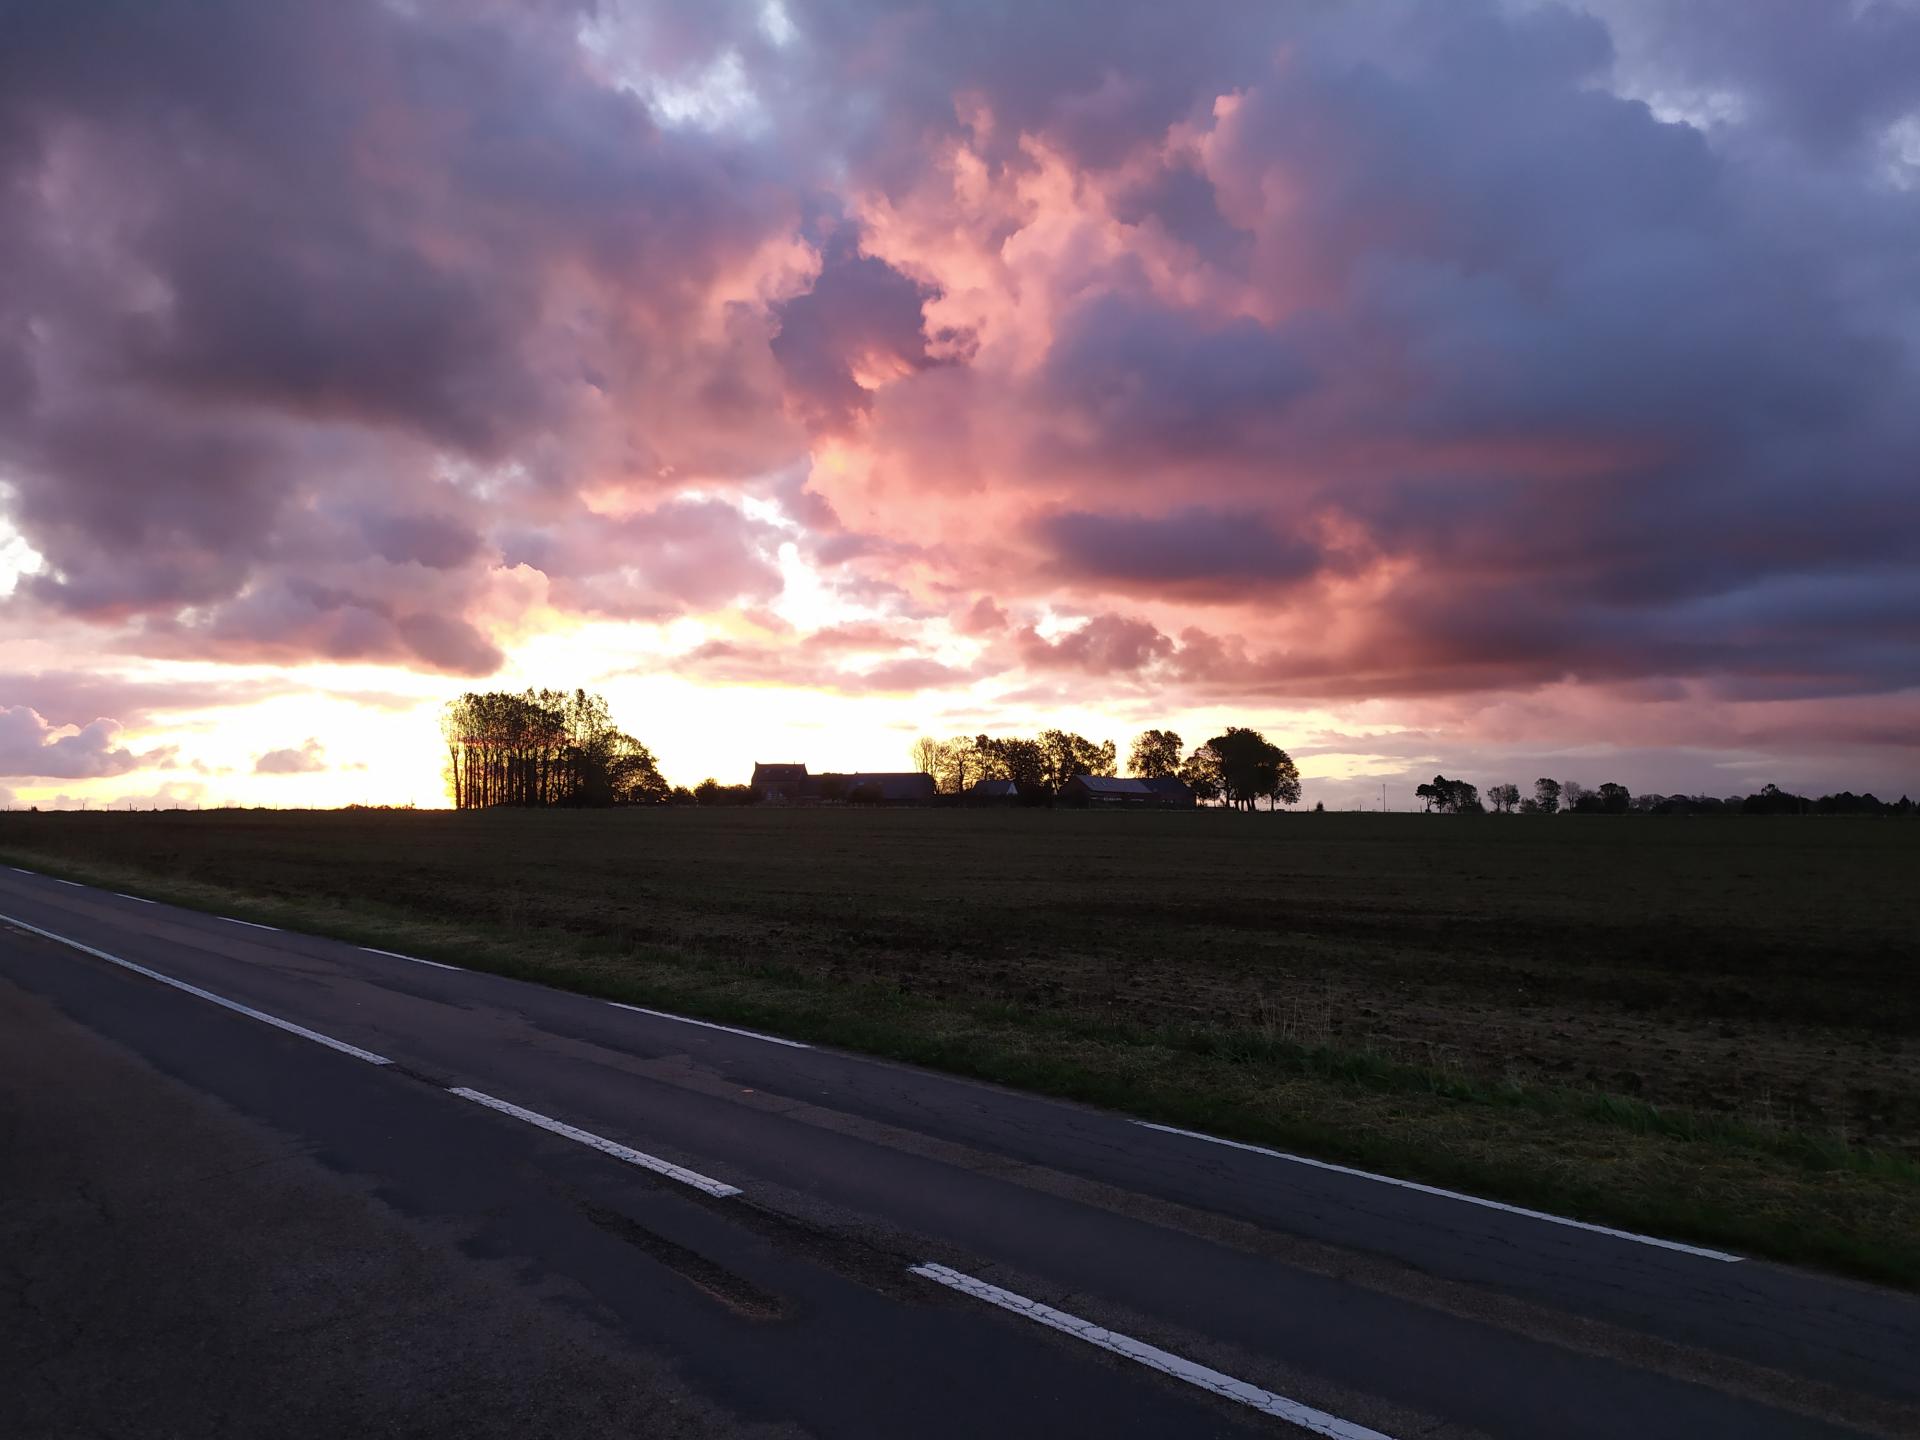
1152 1356
74 883
250 924
18 871
137 899
396 955
706 1183
1465 1199
710 1025
234 1005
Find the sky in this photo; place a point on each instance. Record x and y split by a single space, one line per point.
1483 386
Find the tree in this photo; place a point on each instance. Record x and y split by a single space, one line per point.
1614 799
1064 755
1155 754
1201 773
543 747
1240 767
1571 794
1018 760
1546 795
925 755
1504 798
1454 797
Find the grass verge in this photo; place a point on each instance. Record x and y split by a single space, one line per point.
1784 1193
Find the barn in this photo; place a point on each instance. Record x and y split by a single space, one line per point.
1107 792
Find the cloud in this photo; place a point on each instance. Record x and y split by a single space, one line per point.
308 759
30 747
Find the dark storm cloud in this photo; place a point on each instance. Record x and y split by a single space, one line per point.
859 314
268 268
1195 553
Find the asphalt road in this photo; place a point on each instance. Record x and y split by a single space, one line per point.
254 1182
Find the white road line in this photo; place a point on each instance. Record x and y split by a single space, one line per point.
137 899
1637 1238
710 1025
602 1144
1152 1356
58 881
396 955
251 925
18 871
220 1000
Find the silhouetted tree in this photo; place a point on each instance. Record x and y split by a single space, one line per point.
1504 798
1064 755
1155 755
1546 795
1452 797
1572 792
1614 799
1240 767
926 755
543 747
1019 760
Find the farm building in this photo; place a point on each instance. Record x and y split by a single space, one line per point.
1107 790
1004 793
778 784
874 787
1174 793
792 785
1112 791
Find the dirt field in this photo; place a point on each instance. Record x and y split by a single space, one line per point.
1744 981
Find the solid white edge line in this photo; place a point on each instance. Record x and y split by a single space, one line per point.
718 1188
1465 1199
396 955
220 1000
1152 1356
711 1025
137 899
250 924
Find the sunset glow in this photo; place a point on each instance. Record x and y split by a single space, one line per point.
1507 388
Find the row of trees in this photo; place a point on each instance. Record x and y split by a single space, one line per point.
1048 761
543 748
1238 767
1552 797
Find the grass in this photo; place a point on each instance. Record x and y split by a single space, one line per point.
1701 1028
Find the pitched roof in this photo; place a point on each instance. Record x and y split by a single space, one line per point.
1114 785
1167 785
764 772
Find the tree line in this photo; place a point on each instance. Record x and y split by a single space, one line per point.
1238 767
543 748
1570 797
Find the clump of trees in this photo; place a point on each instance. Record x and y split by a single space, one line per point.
1238 768
1449 797
1048 760
544 748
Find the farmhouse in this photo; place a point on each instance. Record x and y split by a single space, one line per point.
778 784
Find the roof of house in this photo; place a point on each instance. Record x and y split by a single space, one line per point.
1167 785
990 789
763 772
1113 785
896 784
